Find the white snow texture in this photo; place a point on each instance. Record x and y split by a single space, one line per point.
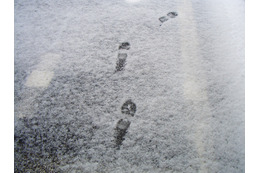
185 75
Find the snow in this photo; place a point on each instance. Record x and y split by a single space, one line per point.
185 76
39 78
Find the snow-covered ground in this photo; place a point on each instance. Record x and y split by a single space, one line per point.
184 76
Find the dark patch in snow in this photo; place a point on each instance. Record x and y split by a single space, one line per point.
19 80
42 143
128 108
120 131
61 128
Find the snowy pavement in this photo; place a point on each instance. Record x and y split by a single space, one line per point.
129 86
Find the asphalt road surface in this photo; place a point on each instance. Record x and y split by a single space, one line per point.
129 86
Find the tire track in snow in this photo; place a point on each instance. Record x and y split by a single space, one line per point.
194 87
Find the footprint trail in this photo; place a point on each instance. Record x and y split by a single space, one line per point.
169 16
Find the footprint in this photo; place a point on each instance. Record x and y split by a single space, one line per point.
124 45
163 19
169 15
128 108
121 57
120 131
172 14
122 125
121 61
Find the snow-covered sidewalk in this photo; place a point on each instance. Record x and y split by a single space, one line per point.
129 86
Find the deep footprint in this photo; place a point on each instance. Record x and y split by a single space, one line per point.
121 61
128 108
120 131
172 14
